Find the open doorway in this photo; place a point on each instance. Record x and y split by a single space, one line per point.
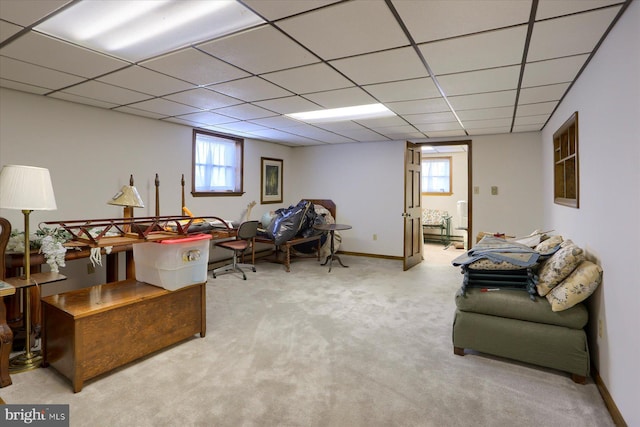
446 197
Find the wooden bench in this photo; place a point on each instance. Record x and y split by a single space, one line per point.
91 331
285 248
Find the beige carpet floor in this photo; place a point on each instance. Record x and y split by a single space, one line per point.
368 345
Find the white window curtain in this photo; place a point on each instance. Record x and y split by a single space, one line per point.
215 164
435 175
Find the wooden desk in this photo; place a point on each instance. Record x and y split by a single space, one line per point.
90 331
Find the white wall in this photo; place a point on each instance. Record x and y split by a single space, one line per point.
607 224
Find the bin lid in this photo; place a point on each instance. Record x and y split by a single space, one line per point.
193 238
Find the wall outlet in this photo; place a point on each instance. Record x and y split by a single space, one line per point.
375 237
494 190
90 268
476 190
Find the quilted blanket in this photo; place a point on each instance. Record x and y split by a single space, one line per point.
499 250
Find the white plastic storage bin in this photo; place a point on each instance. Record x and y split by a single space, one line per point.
173 264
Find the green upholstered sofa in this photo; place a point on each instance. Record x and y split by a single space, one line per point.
508 323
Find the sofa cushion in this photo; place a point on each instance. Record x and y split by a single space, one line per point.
558 267
516 304
577 287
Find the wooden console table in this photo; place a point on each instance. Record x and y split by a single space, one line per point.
91 331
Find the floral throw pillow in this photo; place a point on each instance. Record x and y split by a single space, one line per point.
558 267
548 244
577 287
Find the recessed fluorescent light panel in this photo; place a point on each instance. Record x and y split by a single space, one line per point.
139 29
358 112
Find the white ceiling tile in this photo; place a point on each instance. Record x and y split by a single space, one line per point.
82 100
536 109
527 128
503 98
474 52
164 107
259 50
340 127
552 71
242 126
430 127
308 79
10 84
485 113
147 81
251 89
531 120
25 13
445 133
489 123
30 74
363 135
399 132
58 55
244 112
318 134
206 118
277 9
390 65
489 131
552 8
404 90
419 119
280 122
439 19
106 93
287 105
195 67
480 81
382 122
139 112
553 92
341 98
202 98
7 30
569 35
283 137
340 30
433 105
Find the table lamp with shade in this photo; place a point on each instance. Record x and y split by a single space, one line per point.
27 188
127 197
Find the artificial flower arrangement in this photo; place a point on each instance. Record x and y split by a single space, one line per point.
49 242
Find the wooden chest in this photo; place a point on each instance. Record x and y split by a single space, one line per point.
90 331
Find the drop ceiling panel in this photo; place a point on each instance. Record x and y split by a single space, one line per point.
244 112
382 122
391 65
503 98
552 71
341 30
363 135
404 90
203 98
250 89
419 119
430 127
485 113
25 13
480 81
553 8
569 35
82 100
552 92
288 105
341 98
164 107
206 118
62 56
440 19
484 124
195 67
147 81
7 30
531 120
278 122
433 105
106 92
488 131
10 84
400 132
26 73
259 50
308 79
446 133
536 109
242 127
139 112
277 9
318 134
485 50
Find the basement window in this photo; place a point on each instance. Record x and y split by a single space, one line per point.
565 156
217 165
436 176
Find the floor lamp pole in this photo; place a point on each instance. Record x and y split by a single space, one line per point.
29 359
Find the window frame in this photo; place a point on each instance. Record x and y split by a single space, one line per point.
566 165
438 193
239 144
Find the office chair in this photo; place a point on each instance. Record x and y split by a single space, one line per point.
244 240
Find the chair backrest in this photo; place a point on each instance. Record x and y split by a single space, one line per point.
248 230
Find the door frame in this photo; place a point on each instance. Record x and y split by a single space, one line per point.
466 142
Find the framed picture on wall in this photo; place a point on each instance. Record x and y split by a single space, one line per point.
270 180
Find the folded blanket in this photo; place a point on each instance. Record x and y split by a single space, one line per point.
499 250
